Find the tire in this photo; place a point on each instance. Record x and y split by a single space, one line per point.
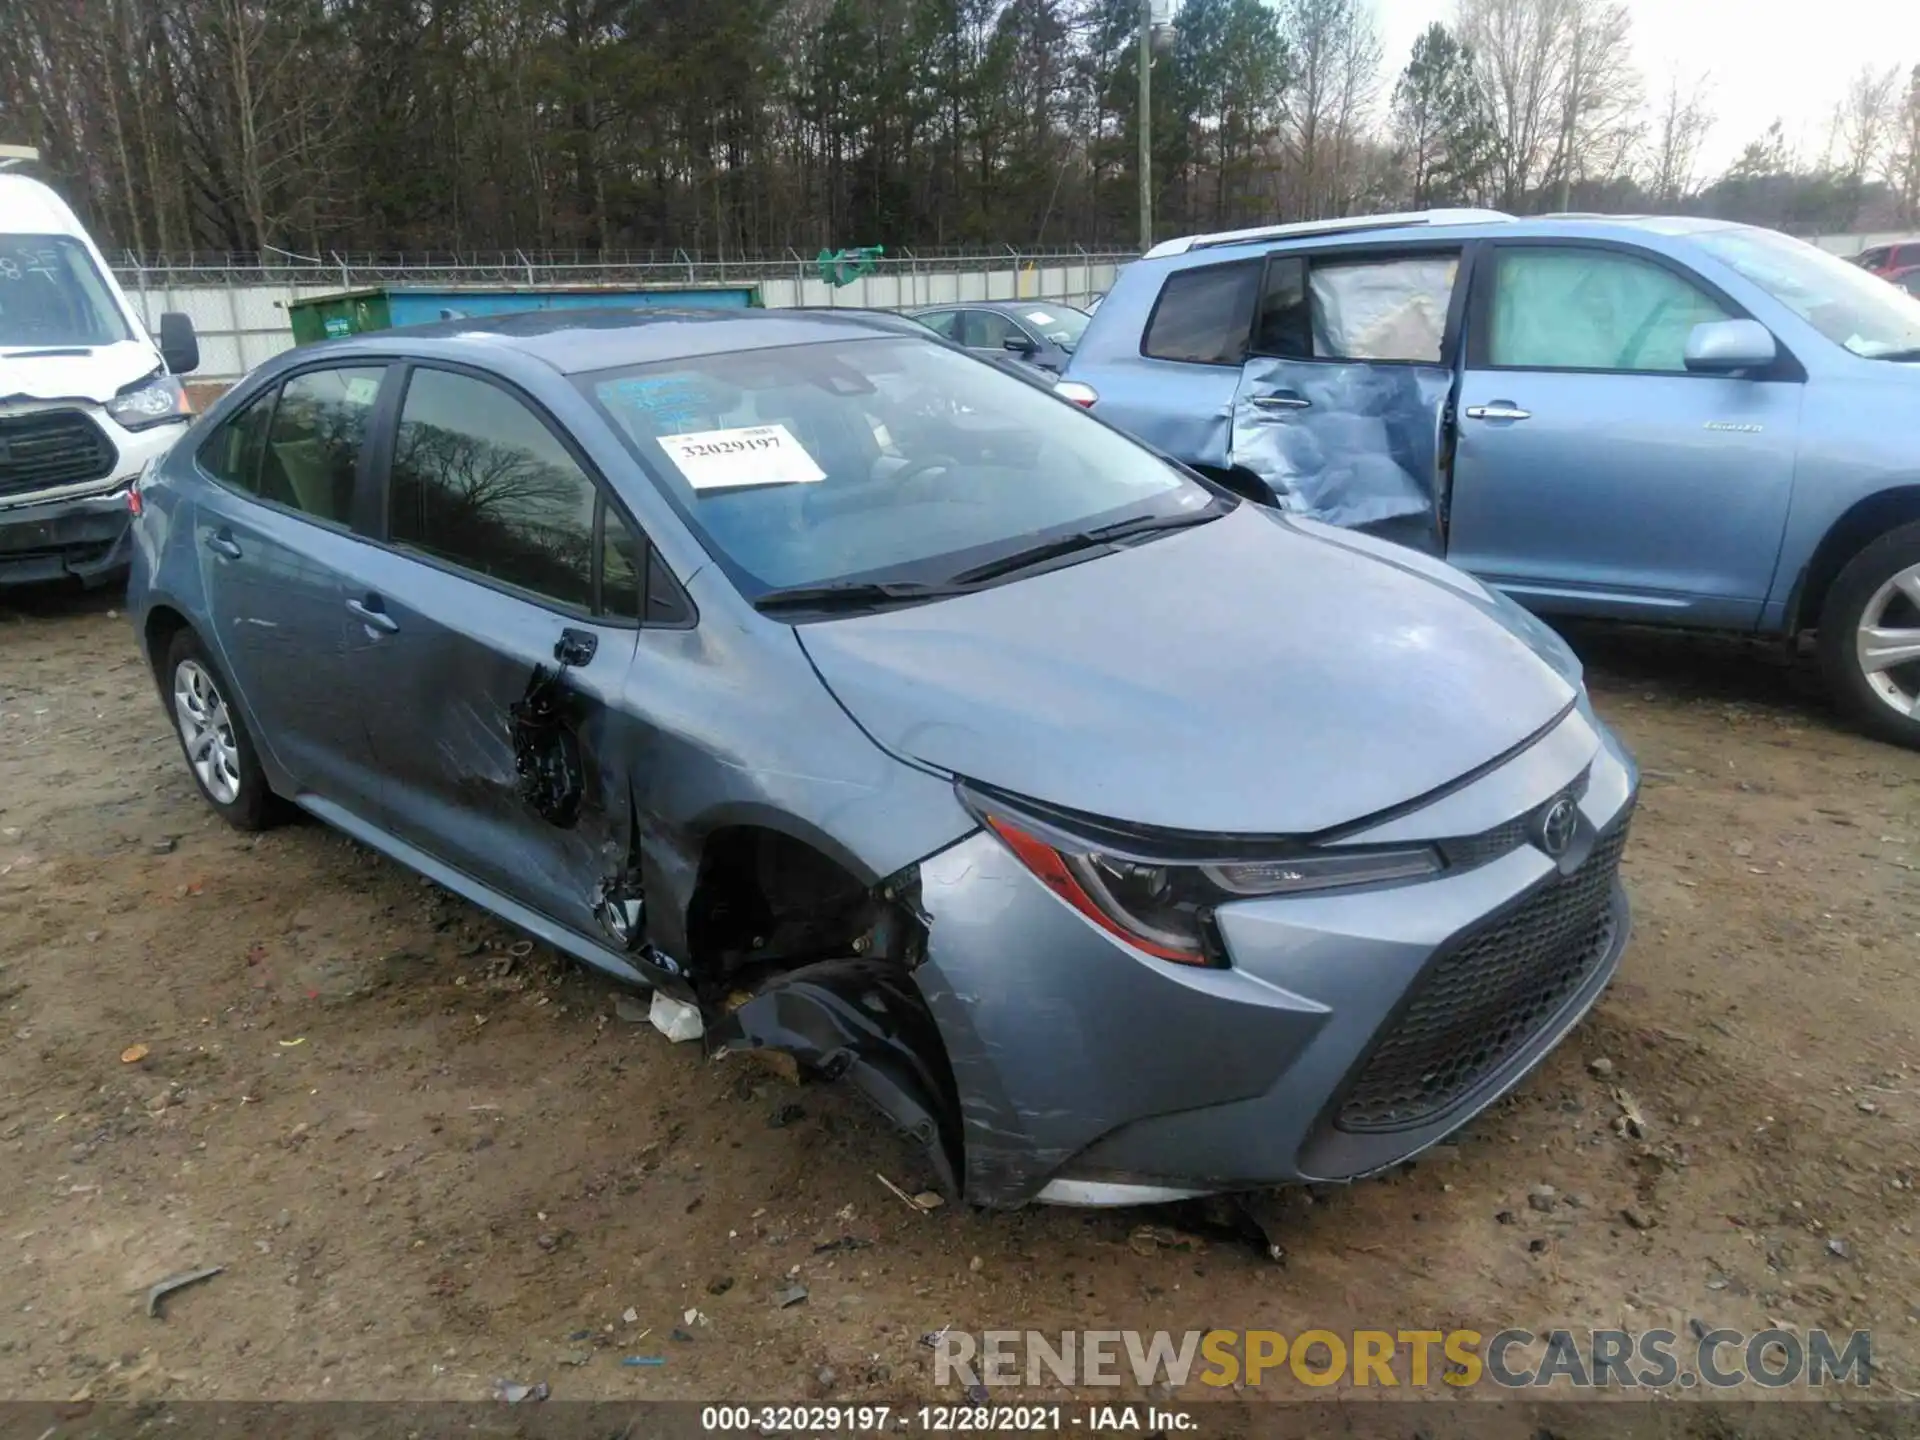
228 771
1879 589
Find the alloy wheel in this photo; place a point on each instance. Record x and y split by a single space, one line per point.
206 729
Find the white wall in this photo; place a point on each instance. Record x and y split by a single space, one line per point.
242 325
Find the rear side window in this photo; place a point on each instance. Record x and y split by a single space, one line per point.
313 443
1579 309
232 453
1906 255
1204 316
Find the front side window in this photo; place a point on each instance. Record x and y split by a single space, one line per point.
990 330
1843 302
874 459
51 293
480 482
313 443
1590 309
1204 316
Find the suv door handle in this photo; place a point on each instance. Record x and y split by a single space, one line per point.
220 542
575 647
1498 410
370 613
1282 400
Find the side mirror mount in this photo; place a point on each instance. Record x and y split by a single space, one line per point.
1020 344
179 346
1727 347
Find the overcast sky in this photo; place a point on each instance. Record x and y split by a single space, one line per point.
1764 59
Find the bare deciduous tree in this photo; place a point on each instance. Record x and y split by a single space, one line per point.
1680 127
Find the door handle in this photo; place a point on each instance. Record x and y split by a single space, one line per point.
1282 400
1498 410
575 647
370 614
222 543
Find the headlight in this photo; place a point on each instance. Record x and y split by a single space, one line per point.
153 401
1165 906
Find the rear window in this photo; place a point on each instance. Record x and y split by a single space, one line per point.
1204 316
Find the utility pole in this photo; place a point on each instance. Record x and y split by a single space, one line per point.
1146 125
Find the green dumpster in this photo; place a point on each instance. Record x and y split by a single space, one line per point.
355 312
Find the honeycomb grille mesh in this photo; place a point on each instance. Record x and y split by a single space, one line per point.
1486 998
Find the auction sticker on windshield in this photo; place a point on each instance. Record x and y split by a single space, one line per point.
730 459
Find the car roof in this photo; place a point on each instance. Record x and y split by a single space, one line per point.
1447 224
572 341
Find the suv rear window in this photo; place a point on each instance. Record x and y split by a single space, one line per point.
1204 316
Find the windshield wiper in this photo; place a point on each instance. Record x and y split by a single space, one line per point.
1100 537
854 595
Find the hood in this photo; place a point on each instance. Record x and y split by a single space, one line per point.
1243 677
96 373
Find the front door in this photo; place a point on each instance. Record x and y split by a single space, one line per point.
1593 473
508 606
1341 404
274 537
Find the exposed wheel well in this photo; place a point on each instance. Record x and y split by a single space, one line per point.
766 900
1852 532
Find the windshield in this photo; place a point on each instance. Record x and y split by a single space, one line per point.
875 459
1061 324
52 295
1848 305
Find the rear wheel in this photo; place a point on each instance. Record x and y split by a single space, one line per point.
220 753
1870 636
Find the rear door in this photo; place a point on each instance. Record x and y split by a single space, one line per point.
1342 400
508 605
1178 394
1593 472
274 534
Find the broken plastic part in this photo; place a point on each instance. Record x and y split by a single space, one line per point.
546 752
865 1021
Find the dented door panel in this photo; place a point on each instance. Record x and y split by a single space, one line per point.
1351 443
502 759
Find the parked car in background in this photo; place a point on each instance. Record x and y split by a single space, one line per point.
1122 840
86 396
1907 279
1038 332
1887 259
1667 421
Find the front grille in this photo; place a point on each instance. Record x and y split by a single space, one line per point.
46 448
1486 998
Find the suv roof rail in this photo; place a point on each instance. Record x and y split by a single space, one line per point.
1329 227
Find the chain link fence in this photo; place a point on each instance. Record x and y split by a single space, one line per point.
238 302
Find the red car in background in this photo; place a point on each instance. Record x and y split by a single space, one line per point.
1884 260
1907 279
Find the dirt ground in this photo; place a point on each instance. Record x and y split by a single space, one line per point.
429 1154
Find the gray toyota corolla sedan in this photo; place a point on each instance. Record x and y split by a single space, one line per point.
1121 839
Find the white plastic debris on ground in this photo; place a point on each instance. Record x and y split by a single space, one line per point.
675 1019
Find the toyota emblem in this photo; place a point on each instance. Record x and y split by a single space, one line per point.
1557 824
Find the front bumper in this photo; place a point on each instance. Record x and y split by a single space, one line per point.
79 532
1340 1040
